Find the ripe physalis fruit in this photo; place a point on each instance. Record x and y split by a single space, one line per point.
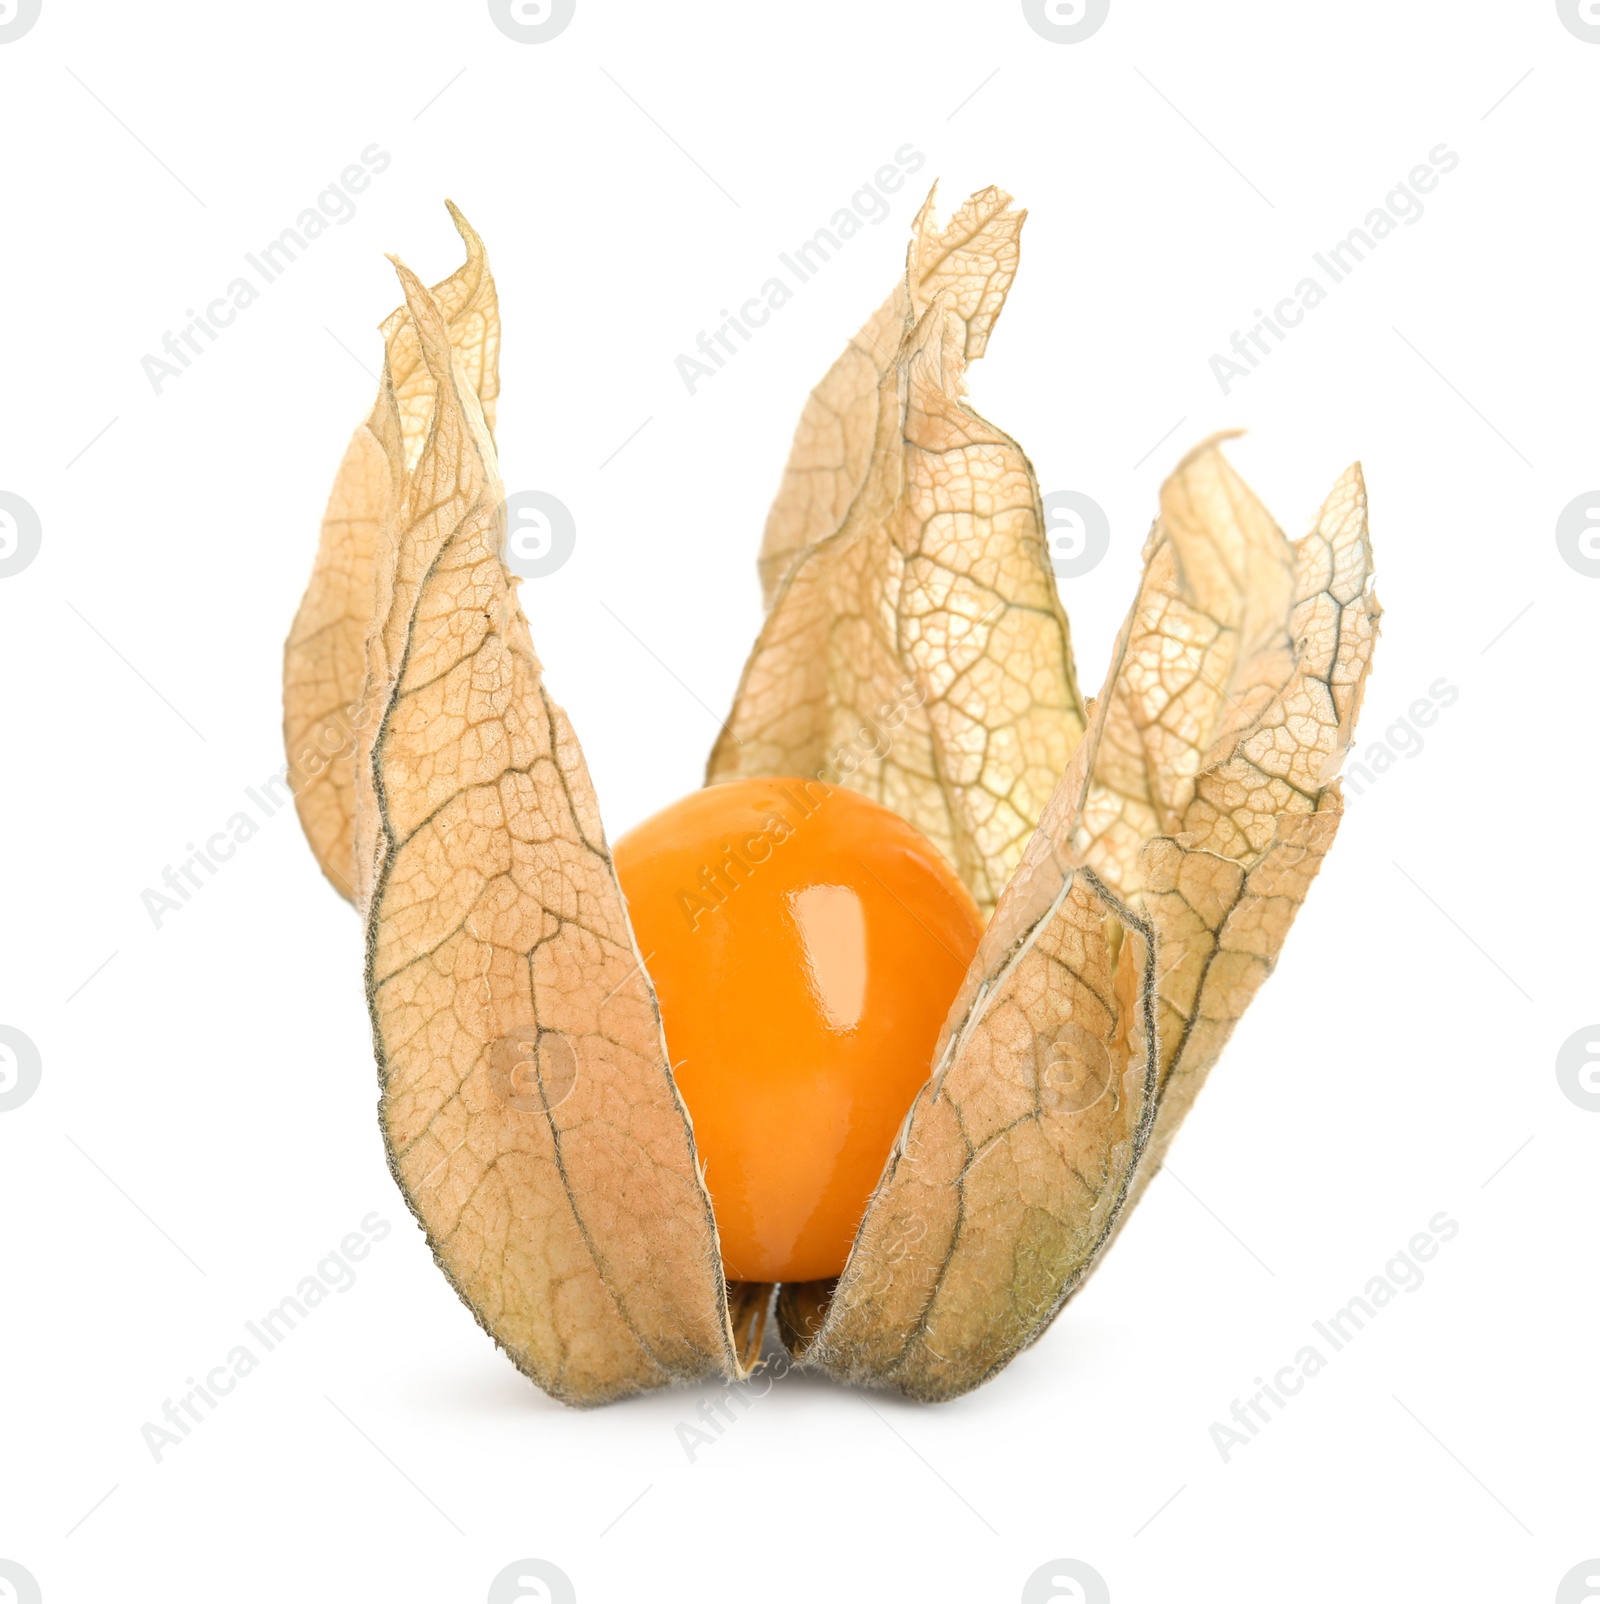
1139 859
805 944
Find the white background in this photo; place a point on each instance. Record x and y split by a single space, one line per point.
204 1131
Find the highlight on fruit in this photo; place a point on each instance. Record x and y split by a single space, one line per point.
880 1034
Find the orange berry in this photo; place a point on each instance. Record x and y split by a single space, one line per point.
806 945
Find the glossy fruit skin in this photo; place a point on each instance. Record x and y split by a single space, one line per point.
806 945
